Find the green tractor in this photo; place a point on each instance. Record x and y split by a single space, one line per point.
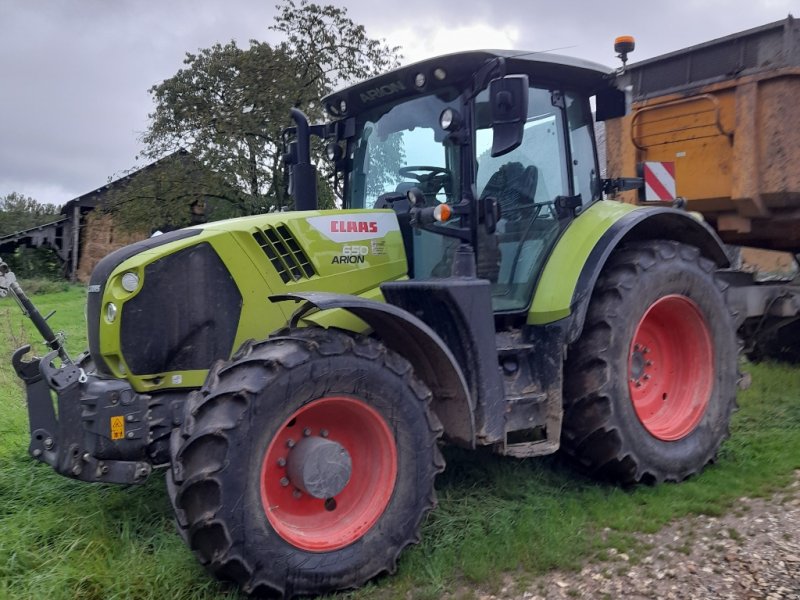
297 372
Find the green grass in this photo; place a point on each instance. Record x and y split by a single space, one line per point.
41 285
496 516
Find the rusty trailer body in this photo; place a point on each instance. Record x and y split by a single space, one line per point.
726 112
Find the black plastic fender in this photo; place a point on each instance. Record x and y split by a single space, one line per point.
407 335
661 223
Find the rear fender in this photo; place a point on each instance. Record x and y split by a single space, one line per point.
405 334
571 272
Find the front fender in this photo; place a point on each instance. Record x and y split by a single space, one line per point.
573 267
405 334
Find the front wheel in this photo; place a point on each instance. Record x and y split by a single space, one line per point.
651 383
306 464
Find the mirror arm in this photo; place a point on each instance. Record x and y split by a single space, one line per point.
483 75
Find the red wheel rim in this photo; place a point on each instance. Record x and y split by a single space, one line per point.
329 524
671 368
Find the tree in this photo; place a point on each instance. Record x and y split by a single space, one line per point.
228 106
173 192
385 160
35 263
19 212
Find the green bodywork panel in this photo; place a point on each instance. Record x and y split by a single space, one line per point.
343 319
352 252
552 299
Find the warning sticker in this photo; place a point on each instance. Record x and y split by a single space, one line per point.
378 247
117 428
659 181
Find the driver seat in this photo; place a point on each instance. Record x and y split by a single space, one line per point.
514 186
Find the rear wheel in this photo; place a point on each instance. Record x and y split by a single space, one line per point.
306 464
651 383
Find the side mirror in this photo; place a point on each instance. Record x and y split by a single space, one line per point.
508 98
611 104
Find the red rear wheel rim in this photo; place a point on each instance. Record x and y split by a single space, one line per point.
329 524
671 368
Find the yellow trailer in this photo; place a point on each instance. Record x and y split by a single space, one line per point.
727 114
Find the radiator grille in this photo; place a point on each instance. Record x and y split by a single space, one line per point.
284 253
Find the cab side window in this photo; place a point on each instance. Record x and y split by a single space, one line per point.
541 148
525 183
585 176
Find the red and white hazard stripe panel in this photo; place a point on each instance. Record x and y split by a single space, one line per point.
659 181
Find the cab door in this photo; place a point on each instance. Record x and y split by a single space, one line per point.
555 159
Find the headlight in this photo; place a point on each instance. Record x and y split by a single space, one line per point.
130 282
111 312
333 151
450 120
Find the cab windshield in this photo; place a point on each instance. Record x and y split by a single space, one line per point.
403 146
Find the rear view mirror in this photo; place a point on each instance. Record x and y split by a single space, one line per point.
611 103
508 99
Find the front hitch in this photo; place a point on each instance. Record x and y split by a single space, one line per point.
100 430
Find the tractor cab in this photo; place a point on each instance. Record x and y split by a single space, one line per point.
502 141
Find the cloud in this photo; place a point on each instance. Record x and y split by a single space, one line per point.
419 43
75 73
75 77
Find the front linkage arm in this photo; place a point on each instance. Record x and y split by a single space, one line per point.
101 423
9 285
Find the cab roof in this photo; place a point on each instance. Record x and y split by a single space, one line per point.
456 70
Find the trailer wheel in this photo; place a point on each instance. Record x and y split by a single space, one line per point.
305 464
651 383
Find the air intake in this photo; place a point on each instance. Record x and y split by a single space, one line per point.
284 253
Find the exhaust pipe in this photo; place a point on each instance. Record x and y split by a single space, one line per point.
302 174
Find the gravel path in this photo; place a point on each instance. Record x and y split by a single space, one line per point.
752 552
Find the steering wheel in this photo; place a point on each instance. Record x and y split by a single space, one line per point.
431 172
431 179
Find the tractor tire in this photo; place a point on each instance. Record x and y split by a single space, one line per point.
651 383
305 464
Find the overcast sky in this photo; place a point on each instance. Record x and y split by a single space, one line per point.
74 74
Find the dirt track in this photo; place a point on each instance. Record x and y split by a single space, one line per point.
752 552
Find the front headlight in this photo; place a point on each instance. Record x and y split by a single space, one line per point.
111 312
130 281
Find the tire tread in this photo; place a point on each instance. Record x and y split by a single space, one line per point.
591 436
215 412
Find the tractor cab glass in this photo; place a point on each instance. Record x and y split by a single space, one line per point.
555 158
525 183
403 146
